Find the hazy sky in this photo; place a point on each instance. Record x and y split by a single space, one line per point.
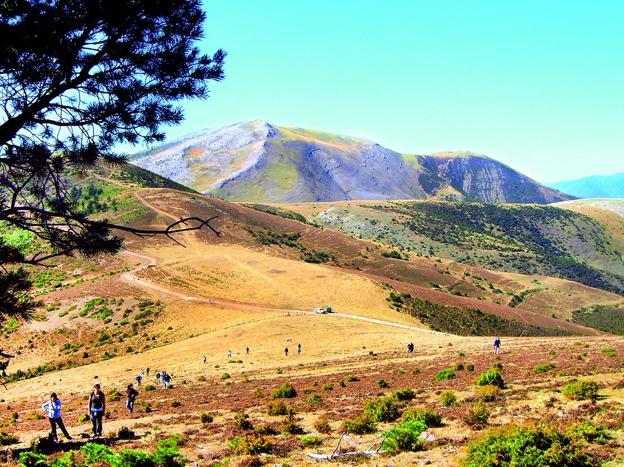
538 85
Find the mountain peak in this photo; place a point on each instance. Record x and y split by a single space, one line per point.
256 161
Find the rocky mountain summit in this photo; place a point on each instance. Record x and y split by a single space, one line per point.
256 161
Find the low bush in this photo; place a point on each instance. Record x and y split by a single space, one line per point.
447 373
285 391
404 394
430 417
114 396
252 444
175 404
225 376
361 425
470 367
125 433
7 439
527 446
278 408
448 399
241 420
477 415
589 432
609 352
206 418
458 367
491 378
307 441
327 387
289 425
489 393
315 400
539 369
582 390
352 378
322 426
149 387
382 383
404 437
383 409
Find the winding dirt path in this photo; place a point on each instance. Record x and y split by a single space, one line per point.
147 261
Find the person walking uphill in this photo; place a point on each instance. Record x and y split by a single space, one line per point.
97 407
497 344
131 394
53 409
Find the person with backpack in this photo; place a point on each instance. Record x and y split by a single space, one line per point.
286 351
131 395
147 370
299 349
166 379
53 409
138 379
497 344
157 380
97 407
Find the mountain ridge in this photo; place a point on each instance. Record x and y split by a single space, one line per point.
594 186
260 162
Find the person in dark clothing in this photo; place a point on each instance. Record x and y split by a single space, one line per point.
97 407
147 370
497 344
53 409
286 351
131 395
138 379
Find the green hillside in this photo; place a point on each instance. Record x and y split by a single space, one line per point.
526 239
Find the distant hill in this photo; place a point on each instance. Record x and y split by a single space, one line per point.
596 186
256 161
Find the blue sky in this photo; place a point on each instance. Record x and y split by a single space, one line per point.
538 85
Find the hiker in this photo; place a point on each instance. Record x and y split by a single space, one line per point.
53 409
147 370
229 354
299 349
97 407
138 379
157 380
166 377
286 351
497 344
131 394
410 347
205 360
247 351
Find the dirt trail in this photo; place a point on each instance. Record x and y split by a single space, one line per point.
131 278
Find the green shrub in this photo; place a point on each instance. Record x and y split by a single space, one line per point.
582 390
285 391
405 437
225 376
447 373
361 425
149 387
307 441
289 425
458 367
327 387
206 418
539 369
352 378
382 383
609 352
175 403
404 394
470 367
527 447
431 418
125 433
278 408
589 432
491 378
114 396
448 399
383 409
83 418
477 414
315 400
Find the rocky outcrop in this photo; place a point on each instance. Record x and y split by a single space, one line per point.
256 161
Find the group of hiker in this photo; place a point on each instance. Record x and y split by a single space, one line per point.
96 405
248 352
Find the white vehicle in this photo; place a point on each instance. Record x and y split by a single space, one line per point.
323 311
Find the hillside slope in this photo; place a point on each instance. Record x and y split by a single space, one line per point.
255 161
595 186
